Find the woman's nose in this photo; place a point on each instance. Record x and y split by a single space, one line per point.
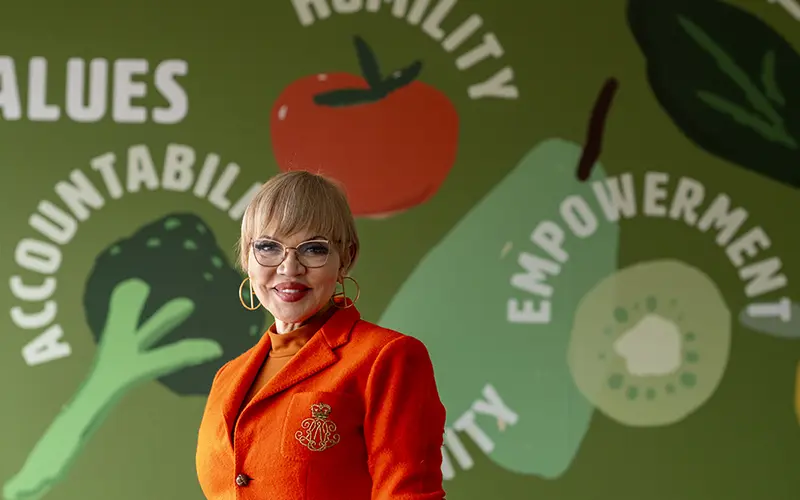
291 266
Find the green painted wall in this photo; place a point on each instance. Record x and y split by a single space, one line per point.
605 329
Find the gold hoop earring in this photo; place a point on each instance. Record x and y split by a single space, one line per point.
251 307
343 293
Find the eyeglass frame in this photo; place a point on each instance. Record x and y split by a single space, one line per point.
295 248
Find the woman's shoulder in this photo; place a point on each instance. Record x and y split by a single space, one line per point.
390 355
378 338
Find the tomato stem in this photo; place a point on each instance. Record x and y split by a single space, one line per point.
368 62
594 135
377 88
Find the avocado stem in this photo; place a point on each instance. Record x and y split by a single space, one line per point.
596 129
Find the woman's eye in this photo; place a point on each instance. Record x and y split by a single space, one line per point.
315 249
267 246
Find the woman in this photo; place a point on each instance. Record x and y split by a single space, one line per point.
325 405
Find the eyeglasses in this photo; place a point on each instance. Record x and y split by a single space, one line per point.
311 254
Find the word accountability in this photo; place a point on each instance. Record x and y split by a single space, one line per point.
42 257
430 15
117 85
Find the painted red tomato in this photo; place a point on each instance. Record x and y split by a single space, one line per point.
390 141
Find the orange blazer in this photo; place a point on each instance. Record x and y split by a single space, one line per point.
354 415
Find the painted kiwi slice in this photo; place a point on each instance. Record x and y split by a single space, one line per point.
650 343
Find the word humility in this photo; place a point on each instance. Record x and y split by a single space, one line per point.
474 46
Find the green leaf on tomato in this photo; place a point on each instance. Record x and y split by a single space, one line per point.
377 86
370 69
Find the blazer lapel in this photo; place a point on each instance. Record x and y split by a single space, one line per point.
314 357
318 354
242 382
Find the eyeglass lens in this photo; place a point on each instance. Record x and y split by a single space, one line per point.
310 253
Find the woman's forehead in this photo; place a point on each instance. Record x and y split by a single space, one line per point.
296 236
290 228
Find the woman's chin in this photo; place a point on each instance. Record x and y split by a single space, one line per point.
296 311
292 313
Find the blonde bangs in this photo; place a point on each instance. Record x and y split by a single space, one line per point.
299 201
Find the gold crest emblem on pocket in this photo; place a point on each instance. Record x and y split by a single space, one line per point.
319 431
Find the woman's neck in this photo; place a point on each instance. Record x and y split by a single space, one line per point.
283 327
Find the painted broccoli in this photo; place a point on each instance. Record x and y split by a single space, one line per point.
162 306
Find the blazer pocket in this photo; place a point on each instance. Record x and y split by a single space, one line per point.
322 426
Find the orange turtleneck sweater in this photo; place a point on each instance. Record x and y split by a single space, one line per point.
282 347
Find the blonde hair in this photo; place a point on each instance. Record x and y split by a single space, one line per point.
296 201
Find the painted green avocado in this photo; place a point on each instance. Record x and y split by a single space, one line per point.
459 298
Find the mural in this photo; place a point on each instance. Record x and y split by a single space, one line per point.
345 126
731 97
524 284
584 209
146 299
638 343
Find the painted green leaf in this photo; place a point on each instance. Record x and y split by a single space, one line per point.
728 80
456 301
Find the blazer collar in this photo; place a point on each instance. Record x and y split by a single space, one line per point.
336 330
316 355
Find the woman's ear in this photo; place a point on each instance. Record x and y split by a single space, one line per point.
352 253
243 252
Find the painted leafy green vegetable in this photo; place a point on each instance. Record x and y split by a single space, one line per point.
466 302
161 308
728 80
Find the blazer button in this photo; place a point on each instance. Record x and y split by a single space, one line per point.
242 480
